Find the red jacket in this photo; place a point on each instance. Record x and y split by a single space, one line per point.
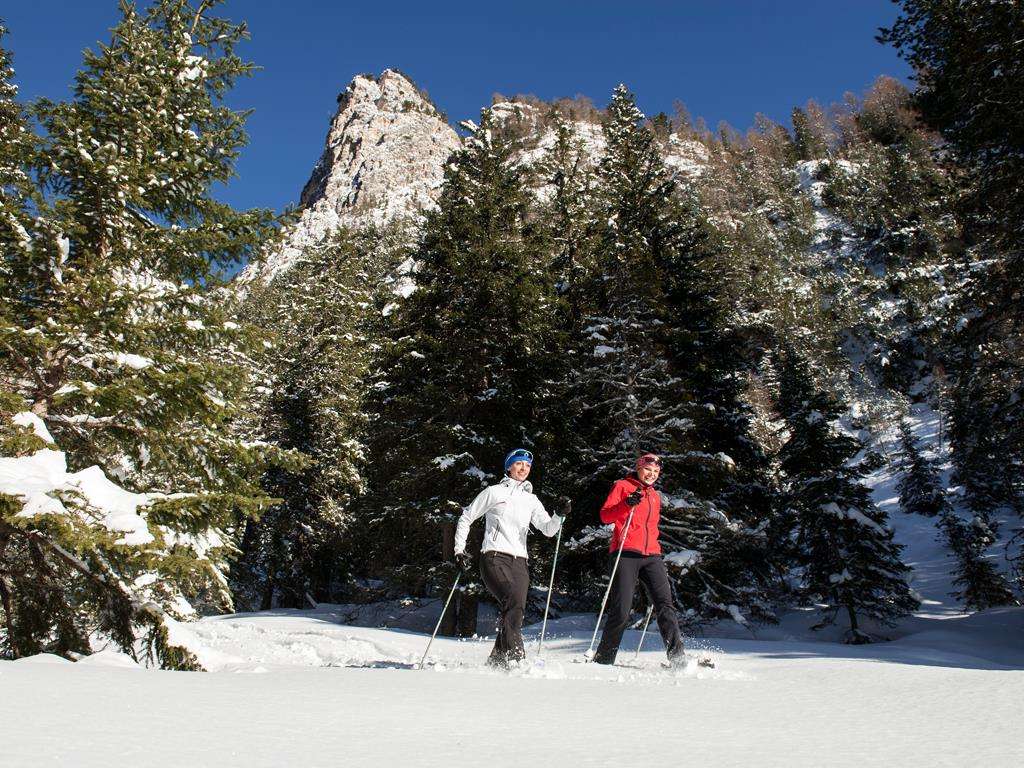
642 535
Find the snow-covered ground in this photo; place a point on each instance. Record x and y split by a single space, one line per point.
308 688
293 688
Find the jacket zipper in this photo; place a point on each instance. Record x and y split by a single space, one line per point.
647 524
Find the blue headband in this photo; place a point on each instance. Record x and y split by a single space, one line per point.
519 454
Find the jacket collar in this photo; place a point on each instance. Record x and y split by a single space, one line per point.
515 485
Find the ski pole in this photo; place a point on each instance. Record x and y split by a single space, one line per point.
629 520
440 619
551 586
647 621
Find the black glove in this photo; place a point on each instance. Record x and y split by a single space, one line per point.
634 498
464 561
565 506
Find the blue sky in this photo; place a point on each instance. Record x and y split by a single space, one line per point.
725 59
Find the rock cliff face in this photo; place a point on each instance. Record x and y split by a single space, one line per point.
383 161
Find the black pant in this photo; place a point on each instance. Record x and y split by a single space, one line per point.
508 579
651 571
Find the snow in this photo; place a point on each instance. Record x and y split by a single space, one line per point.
447 461
476 472
297 688
34 478
831 508
289 687
683 559
43 658
110 658
33 422
129 360
737 615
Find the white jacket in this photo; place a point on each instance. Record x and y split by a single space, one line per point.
510 507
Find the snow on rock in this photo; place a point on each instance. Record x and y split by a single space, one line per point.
383 161
385 155
686 156
40 478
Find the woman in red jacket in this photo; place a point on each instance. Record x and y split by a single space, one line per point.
641 559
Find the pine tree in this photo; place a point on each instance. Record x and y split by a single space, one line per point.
809 139
920 488
17 146
567 170
979 583
463 377
654 372
900 235
970 90
765 228
116 334
844 546
325 310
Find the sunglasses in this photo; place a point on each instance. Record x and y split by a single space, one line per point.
653 461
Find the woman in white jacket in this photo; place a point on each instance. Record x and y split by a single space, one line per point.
510 507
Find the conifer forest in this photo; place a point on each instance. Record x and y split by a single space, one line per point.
191 427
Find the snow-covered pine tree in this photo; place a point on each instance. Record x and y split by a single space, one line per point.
465 365
765 227
971 89
921 489
979 584
17 145
117 338
653 372
899 229
844 546
325 312
566 170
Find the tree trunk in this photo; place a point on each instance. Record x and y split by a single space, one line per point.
469 603
267 600
5 600
449 622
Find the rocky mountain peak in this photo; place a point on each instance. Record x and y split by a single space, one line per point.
383 161
385 153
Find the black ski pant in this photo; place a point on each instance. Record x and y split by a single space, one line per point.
508 579
651 571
